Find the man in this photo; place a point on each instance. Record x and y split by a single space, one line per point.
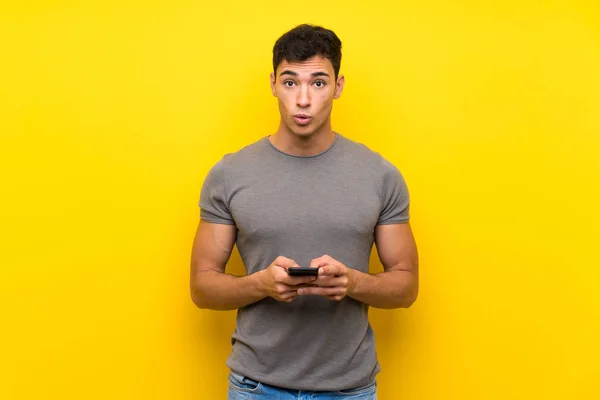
304 196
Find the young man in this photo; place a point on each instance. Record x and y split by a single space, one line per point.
304 196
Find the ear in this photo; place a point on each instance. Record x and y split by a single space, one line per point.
273 90
339 86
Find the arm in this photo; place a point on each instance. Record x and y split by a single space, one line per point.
211 288
209 285
398 285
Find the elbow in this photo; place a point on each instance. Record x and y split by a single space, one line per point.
407 297
205 303
402 299
203 293
204 300
408 301
199 298
200 283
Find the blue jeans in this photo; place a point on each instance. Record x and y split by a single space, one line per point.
242 388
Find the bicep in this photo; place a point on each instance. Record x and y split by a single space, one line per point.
396 247
212 246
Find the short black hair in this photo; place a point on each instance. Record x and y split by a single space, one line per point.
306 41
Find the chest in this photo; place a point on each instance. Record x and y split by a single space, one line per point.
272 205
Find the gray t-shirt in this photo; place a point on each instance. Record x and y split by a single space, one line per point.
302 208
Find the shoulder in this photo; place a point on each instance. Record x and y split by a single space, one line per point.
242 158
367 157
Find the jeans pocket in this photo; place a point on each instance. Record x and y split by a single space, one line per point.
240 382
368 388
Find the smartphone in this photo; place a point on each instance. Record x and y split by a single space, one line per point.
303 271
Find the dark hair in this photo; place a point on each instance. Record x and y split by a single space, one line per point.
306 41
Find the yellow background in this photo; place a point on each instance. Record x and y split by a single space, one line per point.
112 113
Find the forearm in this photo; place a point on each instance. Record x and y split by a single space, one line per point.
218 291
391 289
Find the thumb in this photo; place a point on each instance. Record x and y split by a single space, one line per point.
329 270
285 263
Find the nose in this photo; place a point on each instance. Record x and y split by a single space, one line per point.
303 99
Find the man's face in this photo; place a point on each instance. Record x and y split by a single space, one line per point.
305 91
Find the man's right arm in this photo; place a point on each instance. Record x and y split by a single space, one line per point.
209 285
213 289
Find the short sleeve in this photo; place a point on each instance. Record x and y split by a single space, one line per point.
213 197
395 201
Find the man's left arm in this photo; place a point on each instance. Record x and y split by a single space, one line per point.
396 287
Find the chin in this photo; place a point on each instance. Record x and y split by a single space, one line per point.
302 131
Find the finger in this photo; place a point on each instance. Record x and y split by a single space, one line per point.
322 291
281 289
285 262
289 299
288 295
309 284
332 269
331 281
286 292
297 280
280 275
320 261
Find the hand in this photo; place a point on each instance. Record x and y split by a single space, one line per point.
276 282
335 280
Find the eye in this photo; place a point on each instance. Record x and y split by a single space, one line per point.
288 83
320 83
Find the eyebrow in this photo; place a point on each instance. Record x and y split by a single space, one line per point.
318 73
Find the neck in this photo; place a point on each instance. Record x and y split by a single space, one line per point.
304 146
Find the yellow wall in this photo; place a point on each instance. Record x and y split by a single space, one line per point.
112 112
